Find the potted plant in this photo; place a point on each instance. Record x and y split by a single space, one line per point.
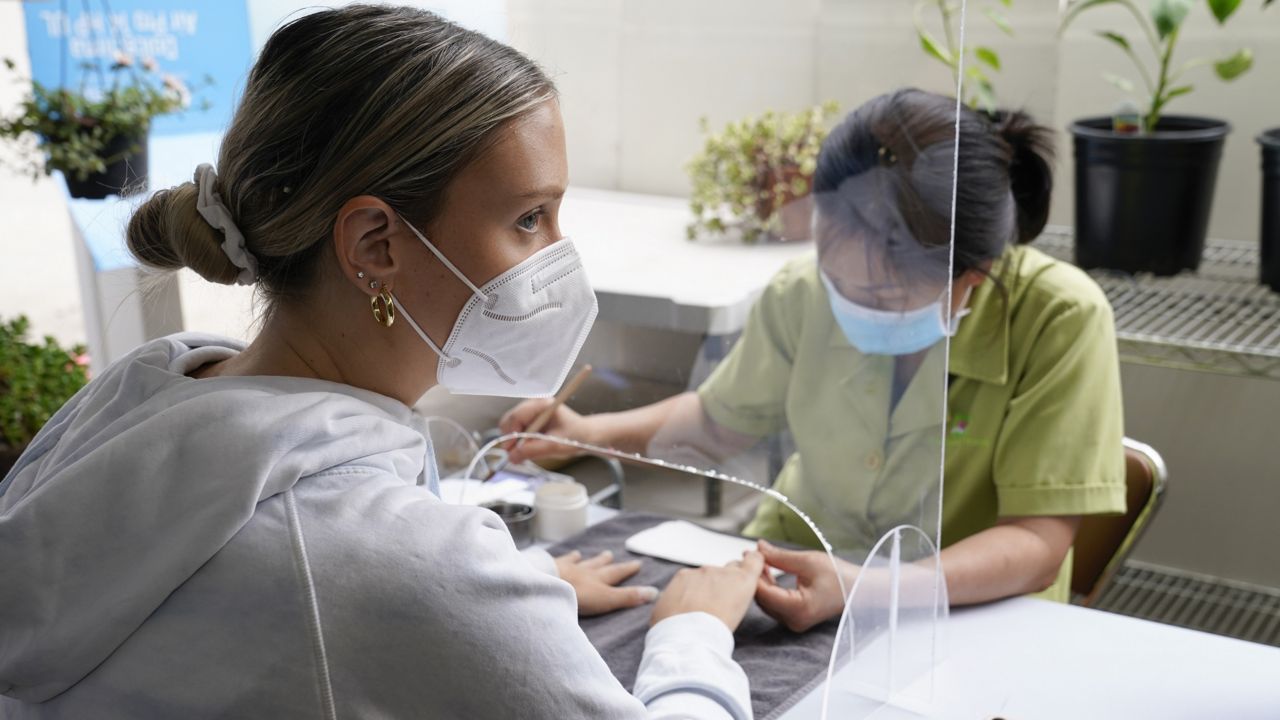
1270 256
97 134
1144 185
979 90
35 380
755 176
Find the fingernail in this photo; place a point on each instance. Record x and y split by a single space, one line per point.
647 593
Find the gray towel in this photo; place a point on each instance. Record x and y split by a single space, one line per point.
781 665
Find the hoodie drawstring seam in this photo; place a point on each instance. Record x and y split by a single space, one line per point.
303 565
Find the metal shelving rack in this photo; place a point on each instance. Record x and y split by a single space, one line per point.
1218 319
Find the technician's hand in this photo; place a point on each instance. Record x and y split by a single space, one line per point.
724 592
563 423
594 581
816 597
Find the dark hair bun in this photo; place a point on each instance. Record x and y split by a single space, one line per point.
1030 170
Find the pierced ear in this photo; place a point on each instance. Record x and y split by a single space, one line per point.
362 242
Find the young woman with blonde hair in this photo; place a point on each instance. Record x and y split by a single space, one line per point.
213 530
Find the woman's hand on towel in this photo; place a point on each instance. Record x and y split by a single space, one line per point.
595 582
816 597
724 592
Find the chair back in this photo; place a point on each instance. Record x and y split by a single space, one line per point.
1104 541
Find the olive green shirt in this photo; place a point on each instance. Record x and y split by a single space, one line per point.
1033 419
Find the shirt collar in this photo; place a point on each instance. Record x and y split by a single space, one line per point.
980 349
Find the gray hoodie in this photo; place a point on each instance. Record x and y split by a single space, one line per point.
273 547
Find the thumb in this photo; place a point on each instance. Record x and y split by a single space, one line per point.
518 418
789 607
752 564
780 603
796 562
513 420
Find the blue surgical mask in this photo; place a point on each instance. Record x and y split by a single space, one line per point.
884 332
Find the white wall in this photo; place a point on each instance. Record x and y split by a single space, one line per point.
637 74
1217 434
37 259
487 16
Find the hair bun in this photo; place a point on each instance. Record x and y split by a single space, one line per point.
167 233
1030 170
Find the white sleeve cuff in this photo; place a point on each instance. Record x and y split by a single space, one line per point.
701 628
692 654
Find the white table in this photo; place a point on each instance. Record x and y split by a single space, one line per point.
1021 659
647 274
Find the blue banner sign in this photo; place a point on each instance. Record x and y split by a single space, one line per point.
202 45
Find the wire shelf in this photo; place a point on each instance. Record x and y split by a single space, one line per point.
1194 601
1217 319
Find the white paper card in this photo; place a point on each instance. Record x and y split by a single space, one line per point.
688 544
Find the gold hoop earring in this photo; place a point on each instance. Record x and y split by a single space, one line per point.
384 309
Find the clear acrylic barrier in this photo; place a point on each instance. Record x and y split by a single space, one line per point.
829 408
822 423
492 457
891 632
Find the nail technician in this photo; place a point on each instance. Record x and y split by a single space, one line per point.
845 351
213 530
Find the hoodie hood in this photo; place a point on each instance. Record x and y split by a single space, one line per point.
144 476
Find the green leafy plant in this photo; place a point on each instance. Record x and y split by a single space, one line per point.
35 380
749 171
979 90
1159 28
71 130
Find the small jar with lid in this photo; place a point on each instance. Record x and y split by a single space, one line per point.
561 510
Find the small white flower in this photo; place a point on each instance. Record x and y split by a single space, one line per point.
149 64
121 60
178 89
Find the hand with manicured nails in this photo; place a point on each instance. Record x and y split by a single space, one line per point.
564 422
724 592
816 597
595 582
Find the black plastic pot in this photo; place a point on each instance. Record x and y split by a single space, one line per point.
1270 266
128 174
1143 201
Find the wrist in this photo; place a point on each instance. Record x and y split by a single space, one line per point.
598 430
848 572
